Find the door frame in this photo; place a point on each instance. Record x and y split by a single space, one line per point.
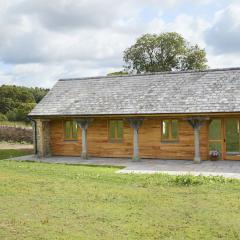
226 156
222 137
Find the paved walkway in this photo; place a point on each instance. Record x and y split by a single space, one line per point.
230 169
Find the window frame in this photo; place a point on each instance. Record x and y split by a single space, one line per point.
71 138
170 139
115 140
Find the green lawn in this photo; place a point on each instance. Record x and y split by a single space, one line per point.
9 153
53 201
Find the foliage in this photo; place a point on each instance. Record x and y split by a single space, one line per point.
20 113
54 201
164 52
190 180
120 73
3 117
215 153
17 102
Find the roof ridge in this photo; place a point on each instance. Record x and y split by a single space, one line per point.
154 73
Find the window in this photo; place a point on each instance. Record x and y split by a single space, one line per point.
70 130
115 130
170 130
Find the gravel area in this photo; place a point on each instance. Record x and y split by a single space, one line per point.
6 145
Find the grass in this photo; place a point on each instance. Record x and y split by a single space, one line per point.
9 153
54 201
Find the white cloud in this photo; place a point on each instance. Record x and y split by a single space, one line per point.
43 41
70 14
223 36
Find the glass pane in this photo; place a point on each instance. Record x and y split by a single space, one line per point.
232 135
112 125
68 129
165 129
174 129
120 130
215 146
215 130
74 130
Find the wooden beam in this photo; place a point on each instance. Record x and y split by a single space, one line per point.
43 138
83 124
135 123
164 115
196 123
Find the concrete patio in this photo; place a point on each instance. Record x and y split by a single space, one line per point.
229 169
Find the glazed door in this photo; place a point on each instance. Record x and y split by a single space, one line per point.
215 137
232 139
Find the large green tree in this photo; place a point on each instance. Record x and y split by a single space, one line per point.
16 102
164 52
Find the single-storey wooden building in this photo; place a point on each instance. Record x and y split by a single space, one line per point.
172 115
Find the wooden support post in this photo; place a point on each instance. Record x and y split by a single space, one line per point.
196 123
83 124
43 138
135 124
197 157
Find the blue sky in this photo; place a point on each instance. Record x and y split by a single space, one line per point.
41 43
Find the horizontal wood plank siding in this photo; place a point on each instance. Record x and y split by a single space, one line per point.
150 145
60 146
99 144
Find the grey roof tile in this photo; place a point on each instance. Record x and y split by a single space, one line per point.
176 92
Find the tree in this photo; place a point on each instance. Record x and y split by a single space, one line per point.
120 73
17 102
164 52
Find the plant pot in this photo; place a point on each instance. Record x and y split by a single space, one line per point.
214 158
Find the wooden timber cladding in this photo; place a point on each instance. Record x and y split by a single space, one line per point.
150 144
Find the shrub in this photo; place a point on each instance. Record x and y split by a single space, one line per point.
3 117
11 115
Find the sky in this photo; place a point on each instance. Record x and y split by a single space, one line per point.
42 41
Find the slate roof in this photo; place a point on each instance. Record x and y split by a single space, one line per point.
209 91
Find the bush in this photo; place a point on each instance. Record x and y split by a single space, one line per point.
20 113
3 117
11 115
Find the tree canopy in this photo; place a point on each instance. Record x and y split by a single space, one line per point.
164 52
17 102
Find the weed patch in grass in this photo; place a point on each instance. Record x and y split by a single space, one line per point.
191 180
